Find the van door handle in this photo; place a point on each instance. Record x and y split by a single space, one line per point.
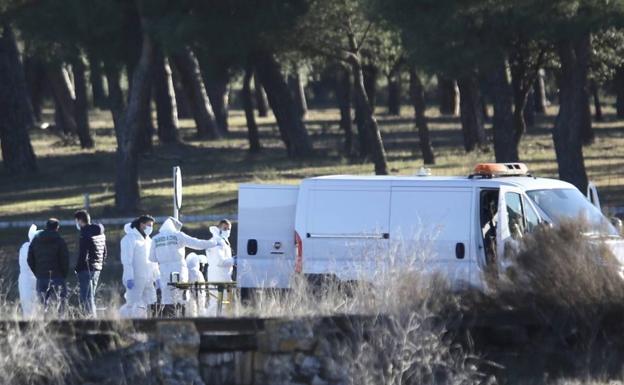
460 250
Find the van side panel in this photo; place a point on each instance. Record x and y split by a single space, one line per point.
429 226
266 251
344 227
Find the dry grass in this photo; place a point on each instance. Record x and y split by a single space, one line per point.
558 266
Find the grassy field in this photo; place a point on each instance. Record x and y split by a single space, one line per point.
212 170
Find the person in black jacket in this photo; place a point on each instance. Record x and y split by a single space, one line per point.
48 258
91 254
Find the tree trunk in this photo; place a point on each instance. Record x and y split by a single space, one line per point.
394 92
35 80
59 122
587 130
247 99
505 144
370 74
145 140
182 103
539 89
568 130
81 104
520 99
529 110
116 101
471 112
261 98
484 107
217 81
448 94
190 75
417 93
64 95
164 95
296 87
619 91
16 115
343 97
292 128
127 193
597 107
363 140
97 80
375 143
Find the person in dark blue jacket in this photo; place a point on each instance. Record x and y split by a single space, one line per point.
48 259
91 254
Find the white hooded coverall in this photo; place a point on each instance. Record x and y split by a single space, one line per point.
168 250
220 264
197 300
27 283
136 266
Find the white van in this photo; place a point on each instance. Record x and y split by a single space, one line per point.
336 225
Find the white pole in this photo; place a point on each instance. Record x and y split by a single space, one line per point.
176 212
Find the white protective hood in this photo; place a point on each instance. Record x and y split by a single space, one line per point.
215 231
128 228
31 232
171 225
192 261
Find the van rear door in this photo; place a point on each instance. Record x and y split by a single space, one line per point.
266 249
431 229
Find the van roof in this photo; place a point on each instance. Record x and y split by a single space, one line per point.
524 182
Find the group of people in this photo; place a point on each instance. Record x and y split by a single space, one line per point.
148 265
45 264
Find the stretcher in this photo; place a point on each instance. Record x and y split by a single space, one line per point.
222 287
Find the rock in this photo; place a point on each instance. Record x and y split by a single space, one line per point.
309 366
331 370
318 381
287 336
179 351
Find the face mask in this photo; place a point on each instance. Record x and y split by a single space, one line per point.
225 234
78 226
148 230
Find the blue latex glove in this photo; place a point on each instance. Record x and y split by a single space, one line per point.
130 284
158 284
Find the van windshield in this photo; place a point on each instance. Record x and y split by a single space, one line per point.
562 204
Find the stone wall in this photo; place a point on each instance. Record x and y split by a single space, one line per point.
302 351
324 350
229 352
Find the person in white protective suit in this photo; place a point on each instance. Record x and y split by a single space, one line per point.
168 250
220 261
27 282
196 304
139 274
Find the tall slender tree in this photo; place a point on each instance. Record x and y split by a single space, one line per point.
16 115
127 190
247 99
164 95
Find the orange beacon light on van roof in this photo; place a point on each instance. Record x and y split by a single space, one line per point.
490 170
